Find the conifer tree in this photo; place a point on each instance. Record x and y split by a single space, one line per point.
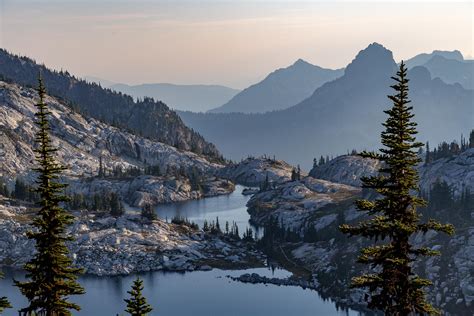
51 279
471 139
4 303
137 305
393 286
428 154
148 212
321 160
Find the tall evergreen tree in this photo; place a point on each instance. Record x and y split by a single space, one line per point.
428 154
394 287
137 305
471 139
4 303
51 279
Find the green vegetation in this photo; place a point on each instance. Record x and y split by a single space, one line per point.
137 304
4 303
148 212
448 150
107 202
178 220
394 287
51 279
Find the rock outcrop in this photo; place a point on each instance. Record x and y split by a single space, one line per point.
253 171
457 172
347 169
142 190
297 204
129 244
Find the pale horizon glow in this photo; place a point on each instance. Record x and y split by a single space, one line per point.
232 43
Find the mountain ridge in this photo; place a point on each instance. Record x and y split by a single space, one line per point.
340 115
280 89
147 117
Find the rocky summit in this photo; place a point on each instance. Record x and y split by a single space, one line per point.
253 171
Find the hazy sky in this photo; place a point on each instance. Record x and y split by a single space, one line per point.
234 43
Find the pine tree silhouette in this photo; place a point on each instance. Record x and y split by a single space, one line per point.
137 305
51 279
394 287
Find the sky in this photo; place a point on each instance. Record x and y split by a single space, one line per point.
232 43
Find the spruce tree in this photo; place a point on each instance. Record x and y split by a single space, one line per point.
394 287
51 279
471 139
137 305
428 154
4 303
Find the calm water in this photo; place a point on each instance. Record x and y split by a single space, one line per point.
200 293
229 208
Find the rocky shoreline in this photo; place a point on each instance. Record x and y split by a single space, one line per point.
106 246
153 190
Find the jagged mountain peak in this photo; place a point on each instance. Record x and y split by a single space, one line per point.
375 59
302 62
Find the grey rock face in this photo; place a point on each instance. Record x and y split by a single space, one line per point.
346 169
152 190
253 171
128 244
457 172
81 141
298 204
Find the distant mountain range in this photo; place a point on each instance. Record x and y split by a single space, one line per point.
148 118
421 59
449 66
281 89
342 114
195 98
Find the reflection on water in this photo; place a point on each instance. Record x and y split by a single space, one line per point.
230 208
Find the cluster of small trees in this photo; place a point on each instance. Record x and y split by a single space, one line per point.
443 204
148 212
447 150
230 230
321 161
275 232
179 220
266 184
296 174
99 202
22 191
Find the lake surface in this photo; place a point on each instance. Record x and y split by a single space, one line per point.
200 293
230 208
